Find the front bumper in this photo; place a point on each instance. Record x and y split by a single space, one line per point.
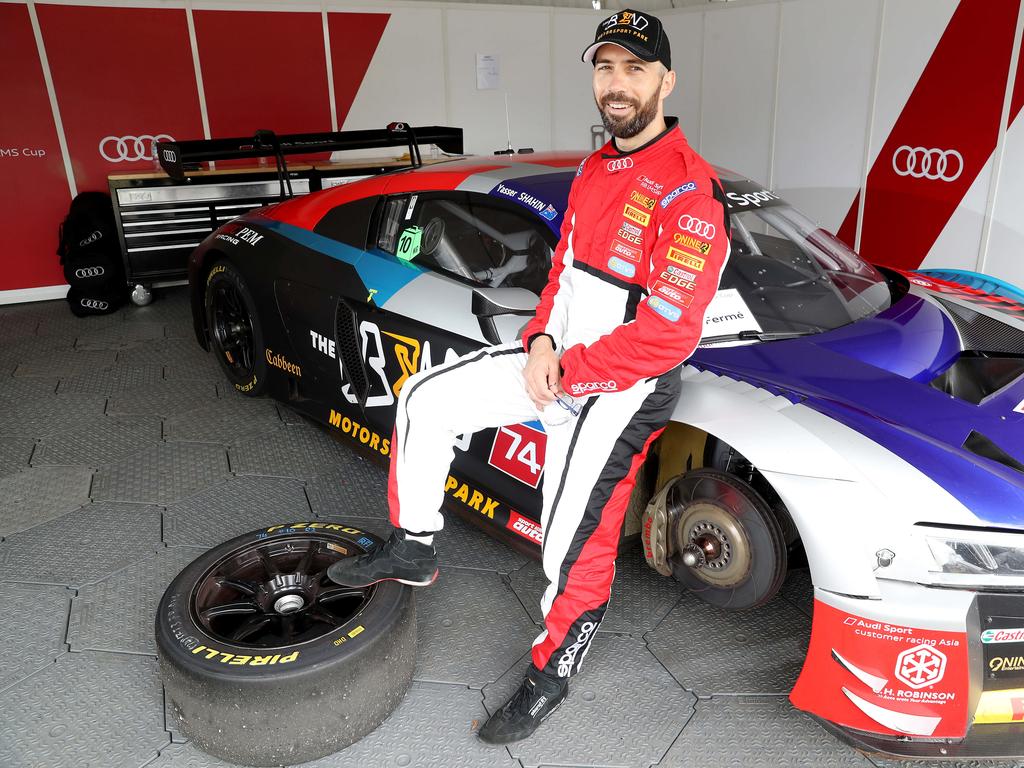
922 672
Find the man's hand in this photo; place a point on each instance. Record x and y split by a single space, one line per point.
541 373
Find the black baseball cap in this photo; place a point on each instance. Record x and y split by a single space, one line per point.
639 33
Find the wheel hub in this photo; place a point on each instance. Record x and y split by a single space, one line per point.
713 543
289 604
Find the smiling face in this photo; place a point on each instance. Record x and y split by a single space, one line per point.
630 92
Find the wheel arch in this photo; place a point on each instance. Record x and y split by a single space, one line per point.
816 486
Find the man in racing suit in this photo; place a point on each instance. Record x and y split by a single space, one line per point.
643 243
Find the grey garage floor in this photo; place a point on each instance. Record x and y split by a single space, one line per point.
123 456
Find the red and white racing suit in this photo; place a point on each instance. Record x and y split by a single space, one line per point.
643 243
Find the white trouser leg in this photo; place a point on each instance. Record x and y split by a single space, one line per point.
482 389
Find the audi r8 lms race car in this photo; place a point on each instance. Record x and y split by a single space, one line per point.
866 420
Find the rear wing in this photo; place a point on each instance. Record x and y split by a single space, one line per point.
176 156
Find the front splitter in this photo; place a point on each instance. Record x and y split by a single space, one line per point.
1003 741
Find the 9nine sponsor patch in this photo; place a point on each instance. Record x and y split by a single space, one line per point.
692 242
642 200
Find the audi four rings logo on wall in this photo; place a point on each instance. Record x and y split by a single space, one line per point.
130 149
620 164
94 304
699 227
933 164
89 272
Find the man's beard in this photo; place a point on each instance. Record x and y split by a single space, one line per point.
627 128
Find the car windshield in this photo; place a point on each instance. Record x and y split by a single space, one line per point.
788 276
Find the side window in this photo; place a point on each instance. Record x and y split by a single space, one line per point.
469 236
348 223
390 221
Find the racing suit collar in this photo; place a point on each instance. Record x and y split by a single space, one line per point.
671 123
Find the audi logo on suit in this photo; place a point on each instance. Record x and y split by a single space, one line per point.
129 149
89 272
932 164
696 226
94 304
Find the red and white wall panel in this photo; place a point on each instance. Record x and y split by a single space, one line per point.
820 99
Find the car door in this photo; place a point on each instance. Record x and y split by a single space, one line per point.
463 244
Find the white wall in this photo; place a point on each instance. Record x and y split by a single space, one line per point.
823 107
799 94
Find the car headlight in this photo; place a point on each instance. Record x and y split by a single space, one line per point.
977 553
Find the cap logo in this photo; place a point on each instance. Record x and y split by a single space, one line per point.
627 19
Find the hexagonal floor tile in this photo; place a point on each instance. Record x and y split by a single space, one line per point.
35 620
641 597
162 474
37 495
15 452
301 451
41 414
355 484
162 398
96 440
87 709
799 590
180 353
761 732
623 709
221 420
81 547
111 380
120 336
239 505
711 651
116 613
471 628
72 363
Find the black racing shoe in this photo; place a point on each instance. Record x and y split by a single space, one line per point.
397 559
537 697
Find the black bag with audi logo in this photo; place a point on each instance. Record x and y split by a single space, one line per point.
91 256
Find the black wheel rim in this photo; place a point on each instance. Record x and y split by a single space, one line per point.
276 593
232 329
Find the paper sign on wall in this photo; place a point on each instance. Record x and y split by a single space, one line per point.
488 75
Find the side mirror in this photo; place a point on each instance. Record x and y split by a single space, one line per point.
489 303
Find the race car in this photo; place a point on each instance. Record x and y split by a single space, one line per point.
866 420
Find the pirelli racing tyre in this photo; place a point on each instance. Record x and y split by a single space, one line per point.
236 336
733 536
266 662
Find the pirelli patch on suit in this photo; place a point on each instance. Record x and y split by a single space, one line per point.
686 259
635 214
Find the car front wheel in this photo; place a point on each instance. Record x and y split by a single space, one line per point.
236 336
718 537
